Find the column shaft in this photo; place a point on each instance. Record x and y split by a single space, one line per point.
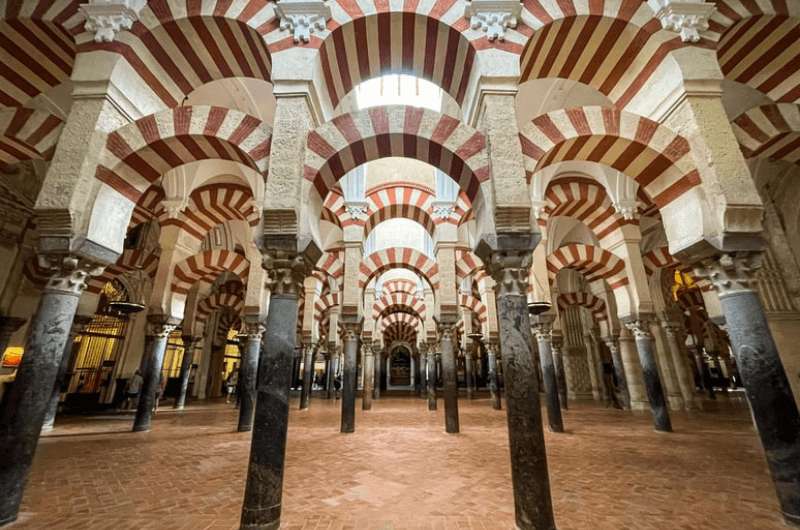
561 377
679 362
468 369
449 380
155 347
248 377
494 388
55 397
629 359
549 378
652 381
431 380
308 377
349 382
369 379
186 368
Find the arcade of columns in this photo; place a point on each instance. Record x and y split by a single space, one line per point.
628 166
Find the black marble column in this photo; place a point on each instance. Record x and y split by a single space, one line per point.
189 343
328 377
468 369
248 374
449 378
767 388
308 376
52 407
508 259
25 404
543 341
350 377
430 379
423 371
619 371
369 377
561 377
494 387
159 328
645 346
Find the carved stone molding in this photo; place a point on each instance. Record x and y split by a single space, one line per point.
302 17
493 17
443 210
508 259
68 274
286 270
640 328
106 18
541 331
687 17
356 210
352 330
160 326
254 330
731 273
627 208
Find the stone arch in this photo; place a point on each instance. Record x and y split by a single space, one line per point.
467 264
138 154
399 332
37 47
400 318
176 47
770 131
131 259
400 285
658 258
324 303
27 134
595 264
621 46
205 266
230 295
657 158
474 304
400 302
350 140
400 257
374 44
330 264
595 305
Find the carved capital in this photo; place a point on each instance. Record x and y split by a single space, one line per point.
106 18
443 210
687 17
493 17
356 210
508 259
640 328
541 331
286 271
612 344
731 273
302 17
68 274
254 330
352 330
159 326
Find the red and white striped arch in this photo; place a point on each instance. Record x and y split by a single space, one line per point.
650 153
399 285
658 258
129 260
593 262
467 263
398 258
586 201
205 266
139 153
330 264
395 42
399 332
324 303
770 131
178 46
398 301
227 321
474 304
229 296
27 134
757 45
407 319
612 46
37 47
350 140
595 305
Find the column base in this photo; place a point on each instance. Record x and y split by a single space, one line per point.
141 428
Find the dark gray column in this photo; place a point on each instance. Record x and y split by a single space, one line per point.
158 329
350 377
369 376
189 343
449 378
248 373
766 385
376 392
25 404
78 323
308 376
328 377
542 331
430 378
468 369
423 370
508 260
494 388
263 493
619 371
558 363
652 381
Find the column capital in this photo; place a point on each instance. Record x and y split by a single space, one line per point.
640 327
542 330
68 274
731 273
288 261
160 326
253 330
352 329
611 342
508 260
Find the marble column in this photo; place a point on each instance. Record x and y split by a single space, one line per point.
542 331
350 377
189 343
78 323
308 376
328 377
619 371
449 378
262 504
645 345
369 377
430 377
25 404
8 325
378 361
772 403
248 373
629 358
561 377
158 329
685 383
468 370
491 367
423 371
508 260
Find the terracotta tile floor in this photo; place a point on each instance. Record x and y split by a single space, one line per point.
401 471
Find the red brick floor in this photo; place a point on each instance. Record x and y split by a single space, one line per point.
401 471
